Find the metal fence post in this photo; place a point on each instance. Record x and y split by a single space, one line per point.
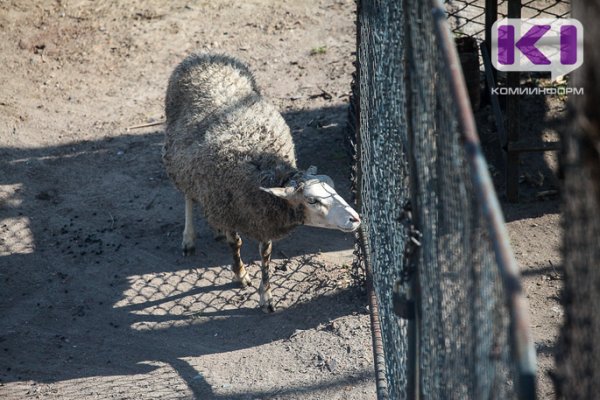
522 340
512 120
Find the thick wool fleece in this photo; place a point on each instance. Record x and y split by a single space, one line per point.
224 141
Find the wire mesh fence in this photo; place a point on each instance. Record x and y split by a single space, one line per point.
578 361
425 231
467 17
578 358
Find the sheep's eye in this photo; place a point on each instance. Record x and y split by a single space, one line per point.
311 200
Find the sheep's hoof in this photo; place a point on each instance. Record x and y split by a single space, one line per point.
188 250
268 309
266 300
244 281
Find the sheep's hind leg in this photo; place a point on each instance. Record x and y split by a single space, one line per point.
266 299
235 243
188 245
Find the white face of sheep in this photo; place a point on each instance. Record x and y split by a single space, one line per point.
324 208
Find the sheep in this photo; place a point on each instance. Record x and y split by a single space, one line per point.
229 150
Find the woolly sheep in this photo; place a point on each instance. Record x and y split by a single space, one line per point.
231 151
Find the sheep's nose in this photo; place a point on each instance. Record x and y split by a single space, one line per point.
354 219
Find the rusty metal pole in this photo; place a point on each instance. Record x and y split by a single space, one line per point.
512 120
378 350
521 338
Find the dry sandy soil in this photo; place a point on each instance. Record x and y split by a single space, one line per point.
97 301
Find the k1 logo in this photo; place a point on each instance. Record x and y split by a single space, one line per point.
537 44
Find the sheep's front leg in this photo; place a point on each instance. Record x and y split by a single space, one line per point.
235 243
188 245
266 299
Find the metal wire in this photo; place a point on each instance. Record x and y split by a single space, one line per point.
578 359
420 206
467 17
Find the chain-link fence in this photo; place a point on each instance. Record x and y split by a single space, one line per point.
467 17
578 359
472 21
431 237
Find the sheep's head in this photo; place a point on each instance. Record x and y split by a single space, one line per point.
323 207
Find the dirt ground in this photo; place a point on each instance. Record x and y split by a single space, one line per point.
97 301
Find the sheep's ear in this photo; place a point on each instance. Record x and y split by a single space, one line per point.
326 179
312 170
281 192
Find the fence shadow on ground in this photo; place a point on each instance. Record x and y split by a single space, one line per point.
94 285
